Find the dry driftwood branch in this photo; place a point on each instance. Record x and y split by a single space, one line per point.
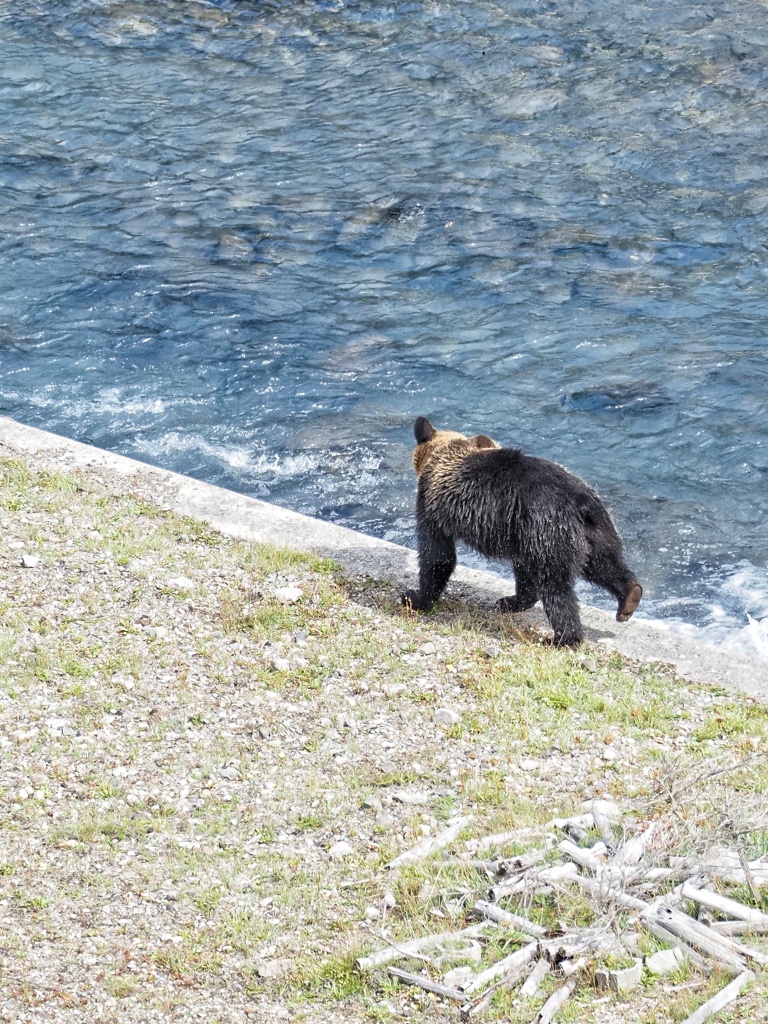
481 1002
672 940
739 948
527 860
431 986
734 876
510 965
749 877
493 913
428 846
738 928
499 839
720 1000
585 821
716 947
569 967
606 889
599 938
633 851
603 826
584 858
413 946
556 1000
533 982
723 904
533 878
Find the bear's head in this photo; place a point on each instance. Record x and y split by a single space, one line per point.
443 445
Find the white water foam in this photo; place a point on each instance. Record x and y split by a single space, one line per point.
745 585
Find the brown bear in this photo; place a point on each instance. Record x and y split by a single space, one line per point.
549 524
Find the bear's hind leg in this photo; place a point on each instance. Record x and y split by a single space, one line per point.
630 601
525 596
561 607
614 575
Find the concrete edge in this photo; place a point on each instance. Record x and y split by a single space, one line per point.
250 519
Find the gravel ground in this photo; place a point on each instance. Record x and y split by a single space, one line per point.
209 751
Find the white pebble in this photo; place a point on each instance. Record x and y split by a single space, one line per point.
447 716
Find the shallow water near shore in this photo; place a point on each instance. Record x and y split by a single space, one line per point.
252 241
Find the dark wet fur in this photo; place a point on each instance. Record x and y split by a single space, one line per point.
504 504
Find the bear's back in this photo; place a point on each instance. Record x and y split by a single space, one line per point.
501 501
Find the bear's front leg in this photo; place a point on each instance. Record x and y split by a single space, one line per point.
437 560
562 609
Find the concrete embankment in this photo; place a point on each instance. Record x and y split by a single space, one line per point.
250 519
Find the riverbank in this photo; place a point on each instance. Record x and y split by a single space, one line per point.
250 519
210 749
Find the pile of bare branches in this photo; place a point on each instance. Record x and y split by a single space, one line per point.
628 888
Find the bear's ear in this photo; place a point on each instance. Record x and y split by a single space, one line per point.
481 441
423 430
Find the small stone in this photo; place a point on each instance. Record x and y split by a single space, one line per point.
666 961
491 650
393 689
529 765
447 716
274 968
457 976
384 820
239 883
413 797
289 595
340 850
281 664
372 803
388 901
611 810
622 980
30 561
371 913
229 771
180 583
428 648
609 754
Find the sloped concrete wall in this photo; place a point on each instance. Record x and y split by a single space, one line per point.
251 519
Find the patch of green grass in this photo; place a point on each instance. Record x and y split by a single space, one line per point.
308 823
334 978
112 825
30 901
244 930
207 900
120 986
75 667
399 778
749 719
185 960
490 790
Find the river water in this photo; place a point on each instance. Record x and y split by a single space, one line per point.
252 241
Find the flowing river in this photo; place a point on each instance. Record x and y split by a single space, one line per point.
251 241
